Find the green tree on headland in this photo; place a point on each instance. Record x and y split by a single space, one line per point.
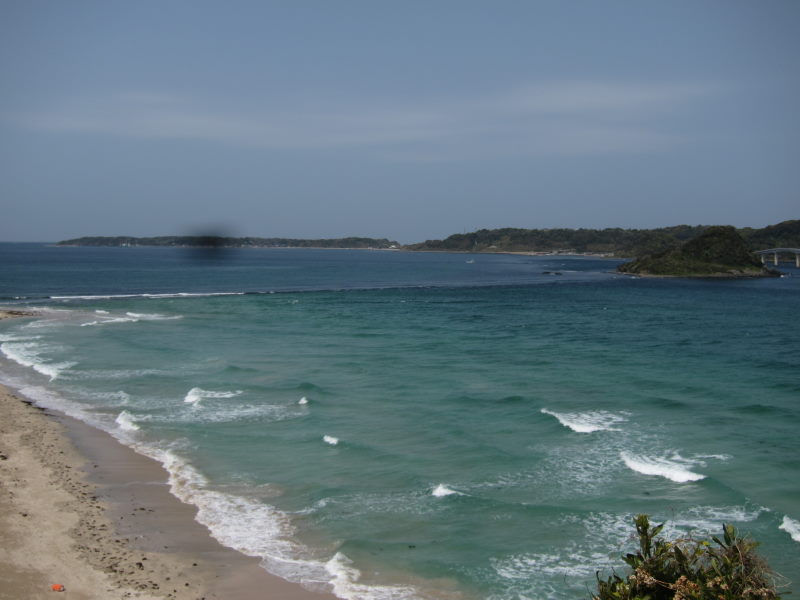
717 252
687 569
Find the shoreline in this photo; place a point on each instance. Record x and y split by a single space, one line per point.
6 313
80 509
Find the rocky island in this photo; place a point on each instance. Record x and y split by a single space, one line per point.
717 252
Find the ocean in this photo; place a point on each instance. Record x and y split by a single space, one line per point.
396 425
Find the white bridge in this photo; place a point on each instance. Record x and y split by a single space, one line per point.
778 251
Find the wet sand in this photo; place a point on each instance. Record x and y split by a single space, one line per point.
78 508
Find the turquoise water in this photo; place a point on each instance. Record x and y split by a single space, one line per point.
397 425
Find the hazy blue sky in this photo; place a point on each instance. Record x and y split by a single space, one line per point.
406 119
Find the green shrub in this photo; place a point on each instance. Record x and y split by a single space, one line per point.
686 569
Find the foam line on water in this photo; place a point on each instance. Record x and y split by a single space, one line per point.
130 317
110 399
29 354
587 422
162 295
239 412
18 338
196 394
573 563
675 468
329 439
709 519
115 374
111 321
153 316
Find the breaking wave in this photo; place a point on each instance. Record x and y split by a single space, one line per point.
675 467
791 527
587 422
441 490
126 421
196 394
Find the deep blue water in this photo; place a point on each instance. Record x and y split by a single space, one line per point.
403 425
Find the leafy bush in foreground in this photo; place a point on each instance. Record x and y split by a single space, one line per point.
686 569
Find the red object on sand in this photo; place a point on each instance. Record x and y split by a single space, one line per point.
57 587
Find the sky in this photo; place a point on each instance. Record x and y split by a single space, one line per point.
409 120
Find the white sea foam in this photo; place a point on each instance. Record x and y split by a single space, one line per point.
250 527
153 316
573 563
791 527
246 525
709 519
196 394
101 312
329 439
165 295
674 468
29 354
126 421
588 422
344 579
109 321
130 317
260 530
616 528
714 456
303 400
118 398
18 338
415 502
441 490
115 374
263 412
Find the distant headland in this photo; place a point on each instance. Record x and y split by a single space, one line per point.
213 241
609 242
612 242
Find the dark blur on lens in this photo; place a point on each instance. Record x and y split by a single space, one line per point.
209 247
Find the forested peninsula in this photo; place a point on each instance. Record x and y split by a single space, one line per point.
617 242
213 241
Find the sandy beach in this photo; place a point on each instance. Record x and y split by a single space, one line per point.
81 510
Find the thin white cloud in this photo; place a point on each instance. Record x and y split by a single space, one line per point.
568 118
589 97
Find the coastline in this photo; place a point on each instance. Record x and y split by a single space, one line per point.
78 508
